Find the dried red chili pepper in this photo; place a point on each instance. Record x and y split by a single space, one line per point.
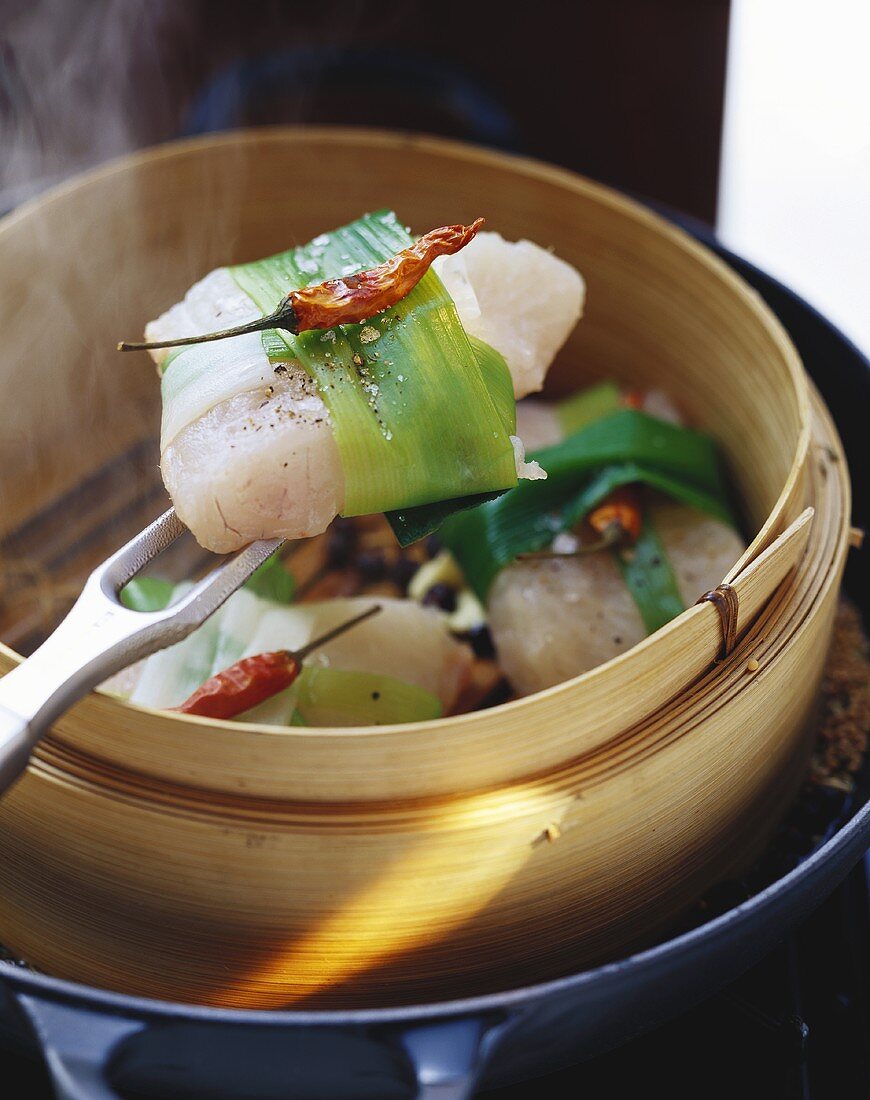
618 518
255 679
349 300
355 298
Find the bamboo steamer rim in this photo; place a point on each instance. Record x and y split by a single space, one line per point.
531 168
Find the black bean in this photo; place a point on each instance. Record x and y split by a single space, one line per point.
440 595
403 571
480 641
341 541
372 565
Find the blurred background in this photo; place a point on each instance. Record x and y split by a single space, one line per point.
753 115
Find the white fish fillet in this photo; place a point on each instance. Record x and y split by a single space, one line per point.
528 302
554 618
256 458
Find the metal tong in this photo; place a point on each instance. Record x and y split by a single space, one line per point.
100 636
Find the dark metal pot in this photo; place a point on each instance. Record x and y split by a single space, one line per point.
97 1044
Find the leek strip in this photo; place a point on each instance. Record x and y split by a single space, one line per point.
412 524
324 696
272 581
341 697
612 477
147 594
586 407
204 375
170 676
650 579
498 381
629 435
411 409
625 447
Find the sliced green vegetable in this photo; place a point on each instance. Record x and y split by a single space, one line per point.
587 406
273 581
629 435
624 447
147 594
412 524
171 675
340 697
647 572
418 413
498 381
343 697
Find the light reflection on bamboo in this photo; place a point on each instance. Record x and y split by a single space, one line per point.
382 920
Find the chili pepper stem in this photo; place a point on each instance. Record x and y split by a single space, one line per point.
284 317
316 643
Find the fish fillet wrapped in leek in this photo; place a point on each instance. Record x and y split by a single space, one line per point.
249 446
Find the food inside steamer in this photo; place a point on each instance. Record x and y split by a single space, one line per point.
540 568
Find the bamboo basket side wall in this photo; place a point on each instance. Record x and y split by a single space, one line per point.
356 905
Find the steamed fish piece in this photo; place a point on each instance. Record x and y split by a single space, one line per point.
258 459
528 301
554 618
405 641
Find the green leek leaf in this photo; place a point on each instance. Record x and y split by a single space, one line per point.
272 581
412 524
587 406
498 381
341 697
147 594
647 572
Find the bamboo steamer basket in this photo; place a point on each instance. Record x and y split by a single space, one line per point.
203 861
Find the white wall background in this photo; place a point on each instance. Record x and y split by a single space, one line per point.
795 186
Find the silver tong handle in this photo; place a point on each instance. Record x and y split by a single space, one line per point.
100 636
